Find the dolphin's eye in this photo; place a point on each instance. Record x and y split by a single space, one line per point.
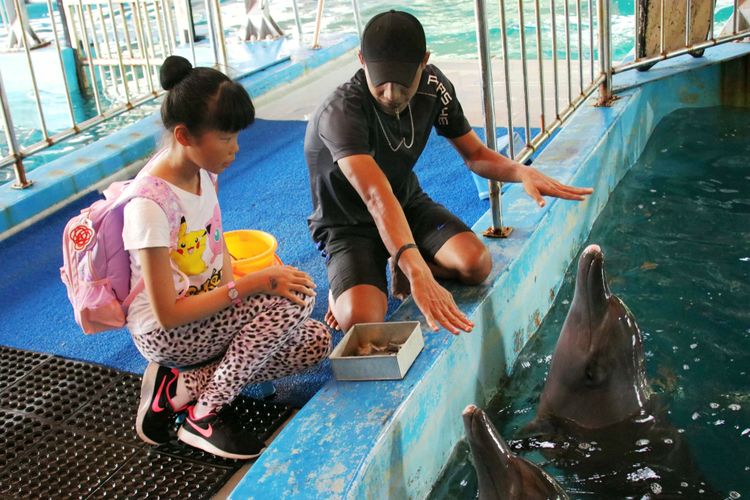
593 374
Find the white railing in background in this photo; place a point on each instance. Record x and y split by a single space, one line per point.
120 45
587 72
591 75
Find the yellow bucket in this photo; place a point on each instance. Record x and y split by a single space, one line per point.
251 250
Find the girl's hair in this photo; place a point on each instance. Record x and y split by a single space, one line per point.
202 98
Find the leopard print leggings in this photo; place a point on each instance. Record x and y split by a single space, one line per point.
263 338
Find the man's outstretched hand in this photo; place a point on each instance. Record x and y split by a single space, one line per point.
438 306
537 185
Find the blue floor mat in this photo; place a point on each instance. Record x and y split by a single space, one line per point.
267 187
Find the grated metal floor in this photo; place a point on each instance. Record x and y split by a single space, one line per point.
67 431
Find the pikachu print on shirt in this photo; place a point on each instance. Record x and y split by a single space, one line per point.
198 249
190 248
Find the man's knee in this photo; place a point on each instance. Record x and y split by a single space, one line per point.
475 265
350 315
360 305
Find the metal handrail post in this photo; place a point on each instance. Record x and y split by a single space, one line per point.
675 53
121 65
68 100
211 30
161 30
318 19
580 46
506 74
10 137
566 9
540 58
591 41
554 58
170 25
524 73
191 35
297 21
35 86
95 40
221 41
141 39
357 18
128 46
663 29
605 88
488 103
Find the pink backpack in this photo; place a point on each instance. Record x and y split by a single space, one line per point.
96 266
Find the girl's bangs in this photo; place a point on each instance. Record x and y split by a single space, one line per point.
233 110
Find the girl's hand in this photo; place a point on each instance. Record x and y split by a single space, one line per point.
284 281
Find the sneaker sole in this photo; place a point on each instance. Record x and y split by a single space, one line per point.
147 393
200 443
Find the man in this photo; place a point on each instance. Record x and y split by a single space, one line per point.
361 145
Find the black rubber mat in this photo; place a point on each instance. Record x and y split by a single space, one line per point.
67 431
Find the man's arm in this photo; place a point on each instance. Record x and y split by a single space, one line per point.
435 302
492 165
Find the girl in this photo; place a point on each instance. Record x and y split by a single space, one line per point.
206 335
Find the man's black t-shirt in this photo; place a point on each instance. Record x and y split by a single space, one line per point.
349 122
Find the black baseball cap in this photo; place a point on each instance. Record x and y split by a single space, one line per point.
393 46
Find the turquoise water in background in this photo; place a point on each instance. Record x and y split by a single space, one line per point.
449 26
676 241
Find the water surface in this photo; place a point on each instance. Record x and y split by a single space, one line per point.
676 240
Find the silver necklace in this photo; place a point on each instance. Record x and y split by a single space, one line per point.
403 139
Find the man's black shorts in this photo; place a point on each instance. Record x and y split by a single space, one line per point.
357 256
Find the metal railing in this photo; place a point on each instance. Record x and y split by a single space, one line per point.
587 57
121 43
579 70
120 46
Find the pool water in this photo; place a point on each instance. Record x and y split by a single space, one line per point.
676 241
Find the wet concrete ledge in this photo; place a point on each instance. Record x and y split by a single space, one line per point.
391 439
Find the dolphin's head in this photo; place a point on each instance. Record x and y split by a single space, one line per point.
501 474
597 374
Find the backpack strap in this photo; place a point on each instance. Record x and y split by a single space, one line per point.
157 190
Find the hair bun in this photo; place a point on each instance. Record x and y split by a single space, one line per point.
173 71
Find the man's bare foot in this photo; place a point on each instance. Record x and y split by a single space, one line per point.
400 286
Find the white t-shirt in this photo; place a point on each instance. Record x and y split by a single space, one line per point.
199 250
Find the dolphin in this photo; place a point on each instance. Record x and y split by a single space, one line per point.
502 475
597 407
597 376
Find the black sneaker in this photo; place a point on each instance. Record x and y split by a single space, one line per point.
220 434
156 413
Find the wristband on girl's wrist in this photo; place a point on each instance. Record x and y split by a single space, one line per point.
234 294
400 251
